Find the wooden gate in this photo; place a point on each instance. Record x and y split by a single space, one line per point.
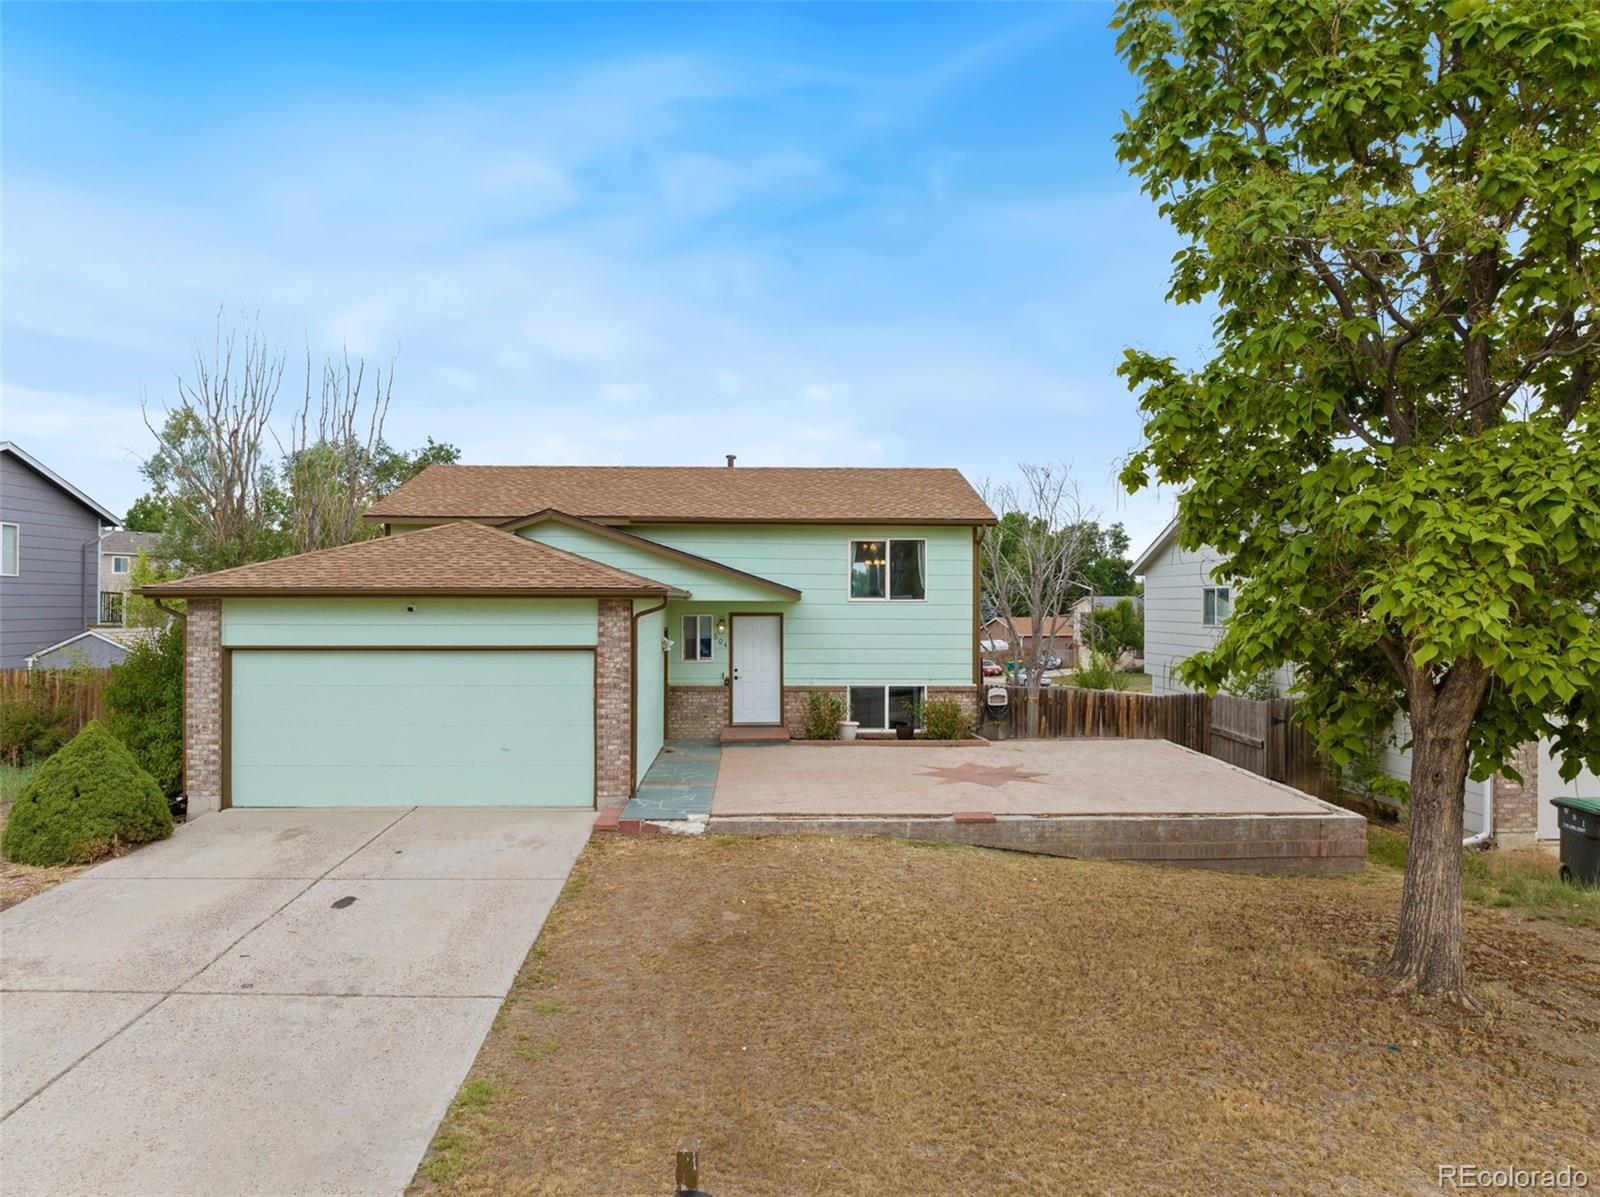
1239 732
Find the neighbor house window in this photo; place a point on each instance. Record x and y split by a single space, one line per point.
888 569
119 565
111 609
1216 604
697 637
881 707
10 550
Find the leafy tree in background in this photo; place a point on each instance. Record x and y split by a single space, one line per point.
1103 554
1109 569
148 513
1116 628
1393 207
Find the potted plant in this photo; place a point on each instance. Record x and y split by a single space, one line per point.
904 730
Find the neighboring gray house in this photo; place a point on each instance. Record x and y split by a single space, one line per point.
118 551
99 648
49 556
1184 610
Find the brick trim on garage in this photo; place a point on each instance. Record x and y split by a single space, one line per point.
203 711
613 702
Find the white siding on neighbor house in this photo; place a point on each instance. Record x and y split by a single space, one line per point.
1174 630
1174 619
1585 785
1397 763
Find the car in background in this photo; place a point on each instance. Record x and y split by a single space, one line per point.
991 669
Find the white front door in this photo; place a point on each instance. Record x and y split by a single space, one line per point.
757 669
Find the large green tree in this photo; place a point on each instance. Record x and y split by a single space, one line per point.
1394 207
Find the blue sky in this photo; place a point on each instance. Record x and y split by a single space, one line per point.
805 234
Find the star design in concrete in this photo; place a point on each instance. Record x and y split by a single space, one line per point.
982 775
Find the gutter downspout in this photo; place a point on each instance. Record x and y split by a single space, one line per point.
633 692
1487 834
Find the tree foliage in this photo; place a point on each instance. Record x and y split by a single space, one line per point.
1115 628
1032 559
1395 208
227 489
144 707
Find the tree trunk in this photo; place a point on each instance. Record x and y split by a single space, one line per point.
1427 955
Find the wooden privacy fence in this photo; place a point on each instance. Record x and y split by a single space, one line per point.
1255 735
80 690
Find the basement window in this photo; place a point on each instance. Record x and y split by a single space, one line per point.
879 708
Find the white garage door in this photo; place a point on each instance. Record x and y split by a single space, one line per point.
401 727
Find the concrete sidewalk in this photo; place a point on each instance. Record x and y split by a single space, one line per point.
271 1002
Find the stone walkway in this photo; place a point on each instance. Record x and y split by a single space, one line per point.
679 785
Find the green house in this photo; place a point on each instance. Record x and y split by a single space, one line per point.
531 635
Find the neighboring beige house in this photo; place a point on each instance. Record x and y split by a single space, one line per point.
1057 637
1186 605
118 551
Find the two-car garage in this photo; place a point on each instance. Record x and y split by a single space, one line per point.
393 727
458 665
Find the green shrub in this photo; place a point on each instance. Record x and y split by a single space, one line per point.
144 707
87 801
945 719
1100 673
823 714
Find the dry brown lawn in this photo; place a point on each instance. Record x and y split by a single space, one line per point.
874 1017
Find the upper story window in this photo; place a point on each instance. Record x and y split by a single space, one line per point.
10 550
119 565
1216 603
888 569
697 643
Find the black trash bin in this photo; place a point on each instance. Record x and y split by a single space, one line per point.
1579 820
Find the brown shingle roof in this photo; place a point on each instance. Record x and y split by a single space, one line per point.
130 542
466 559
689 494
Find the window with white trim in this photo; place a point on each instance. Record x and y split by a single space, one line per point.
1216 603
879 708
10 550
697 641
888 569
119 565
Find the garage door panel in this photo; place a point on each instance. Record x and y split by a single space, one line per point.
402 727
411 786
422 707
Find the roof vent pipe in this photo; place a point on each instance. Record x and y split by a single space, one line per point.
731 459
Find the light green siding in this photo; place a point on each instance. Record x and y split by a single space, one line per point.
651 695
342 621
709 585
827 638
329 728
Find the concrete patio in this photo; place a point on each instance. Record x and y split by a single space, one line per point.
1098 798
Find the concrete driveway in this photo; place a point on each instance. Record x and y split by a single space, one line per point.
272 1001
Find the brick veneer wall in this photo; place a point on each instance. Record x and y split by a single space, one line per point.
696 712
1516 804
613 663
202 705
